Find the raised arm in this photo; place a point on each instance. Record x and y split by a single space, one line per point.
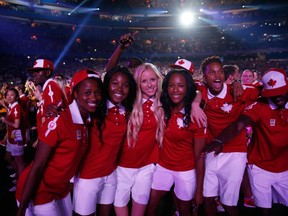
124 42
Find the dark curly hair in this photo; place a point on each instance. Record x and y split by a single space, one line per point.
208 61
167 104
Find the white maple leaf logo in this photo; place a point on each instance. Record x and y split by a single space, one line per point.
226 107
180 122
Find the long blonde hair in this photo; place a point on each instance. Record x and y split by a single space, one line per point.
136 118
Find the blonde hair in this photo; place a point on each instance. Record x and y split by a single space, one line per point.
136 118
62 83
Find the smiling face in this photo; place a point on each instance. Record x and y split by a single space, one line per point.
148 84
88 96
11 96
177 88
214 77
247 77
118 88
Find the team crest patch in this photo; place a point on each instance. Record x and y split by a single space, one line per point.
272 122
52 125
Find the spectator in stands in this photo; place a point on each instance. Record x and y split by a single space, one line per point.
267 155
43 188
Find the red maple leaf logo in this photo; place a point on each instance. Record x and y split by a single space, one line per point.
181 62
272 82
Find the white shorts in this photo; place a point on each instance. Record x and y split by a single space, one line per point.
184 182
89 192
136 181
223 176
15 149
56 208
268 186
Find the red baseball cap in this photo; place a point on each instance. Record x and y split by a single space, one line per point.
274 83
184 64
40 64
82 75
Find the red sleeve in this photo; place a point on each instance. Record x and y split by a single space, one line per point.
49 131
52 94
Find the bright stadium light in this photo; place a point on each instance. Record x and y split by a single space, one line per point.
187 18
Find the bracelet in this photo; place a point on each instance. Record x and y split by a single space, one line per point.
217 140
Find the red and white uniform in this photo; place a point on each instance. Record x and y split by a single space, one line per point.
221 177
14 137
269 146
53 94
135 169
68 135
268 153
24 101
177 153
176 164
97 179
146 149
101 160
222 110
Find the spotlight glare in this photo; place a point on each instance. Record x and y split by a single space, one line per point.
186 18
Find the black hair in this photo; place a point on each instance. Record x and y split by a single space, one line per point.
136 62
208 61
229 70
129 101
189 97
16 93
